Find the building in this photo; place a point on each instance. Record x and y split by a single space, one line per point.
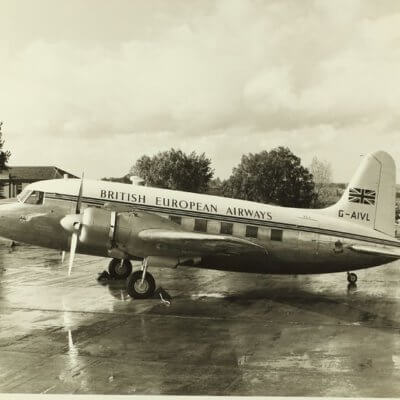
14 179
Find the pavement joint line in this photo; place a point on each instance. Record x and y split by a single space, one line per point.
181 293
256 320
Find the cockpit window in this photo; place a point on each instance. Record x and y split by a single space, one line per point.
24 195
31 197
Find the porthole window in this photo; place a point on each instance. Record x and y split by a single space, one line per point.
200 225
226 228
251 231
276 234
176 219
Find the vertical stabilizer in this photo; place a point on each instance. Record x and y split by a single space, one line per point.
369 199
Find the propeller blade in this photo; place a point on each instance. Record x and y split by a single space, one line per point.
62 257
79 201
72 223
74 243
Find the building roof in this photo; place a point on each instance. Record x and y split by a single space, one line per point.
37 173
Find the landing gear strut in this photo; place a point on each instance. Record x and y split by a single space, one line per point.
352 278
119 269
141 284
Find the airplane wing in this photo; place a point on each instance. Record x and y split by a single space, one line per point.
201 244
170 239
378 251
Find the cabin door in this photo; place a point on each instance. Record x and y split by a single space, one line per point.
308 238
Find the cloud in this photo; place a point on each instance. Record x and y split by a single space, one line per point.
282 70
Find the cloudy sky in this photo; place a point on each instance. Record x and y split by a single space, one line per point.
93 84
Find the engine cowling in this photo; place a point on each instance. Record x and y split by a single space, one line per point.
105 229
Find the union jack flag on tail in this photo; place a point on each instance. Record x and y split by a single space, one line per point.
362 196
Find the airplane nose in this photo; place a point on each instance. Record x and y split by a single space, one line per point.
6 205
4 216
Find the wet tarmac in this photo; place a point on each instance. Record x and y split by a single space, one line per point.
222 334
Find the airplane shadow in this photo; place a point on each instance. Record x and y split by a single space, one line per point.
353 307
346 308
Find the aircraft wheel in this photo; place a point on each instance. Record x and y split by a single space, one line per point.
118 269
351 277
139 290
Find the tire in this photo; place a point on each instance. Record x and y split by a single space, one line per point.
118 270
137 291
352 278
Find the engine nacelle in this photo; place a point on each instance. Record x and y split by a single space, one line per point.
104 229
117 234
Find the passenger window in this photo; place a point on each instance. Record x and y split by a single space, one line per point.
35 198
251 231
177 220
226 228
276 234
200 225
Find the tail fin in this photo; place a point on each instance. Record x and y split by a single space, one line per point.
369 199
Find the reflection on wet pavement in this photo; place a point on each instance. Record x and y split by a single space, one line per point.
222 334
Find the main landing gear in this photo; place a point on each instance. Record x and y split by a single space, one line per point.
141 284
351 278
119 269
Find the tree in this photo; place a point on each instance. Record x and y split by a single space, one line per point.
176 170
275 177
215 187
4 155
322 175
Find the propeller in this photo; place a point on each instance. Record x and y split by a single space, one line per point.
73 223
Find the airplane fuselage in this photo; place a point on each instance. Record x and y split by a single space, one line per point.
297 241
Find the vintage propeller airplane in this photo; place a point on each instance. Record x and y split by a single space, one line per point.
166 228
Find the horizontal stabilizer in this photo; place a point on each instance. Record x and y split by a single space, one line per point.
378 251
200 243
